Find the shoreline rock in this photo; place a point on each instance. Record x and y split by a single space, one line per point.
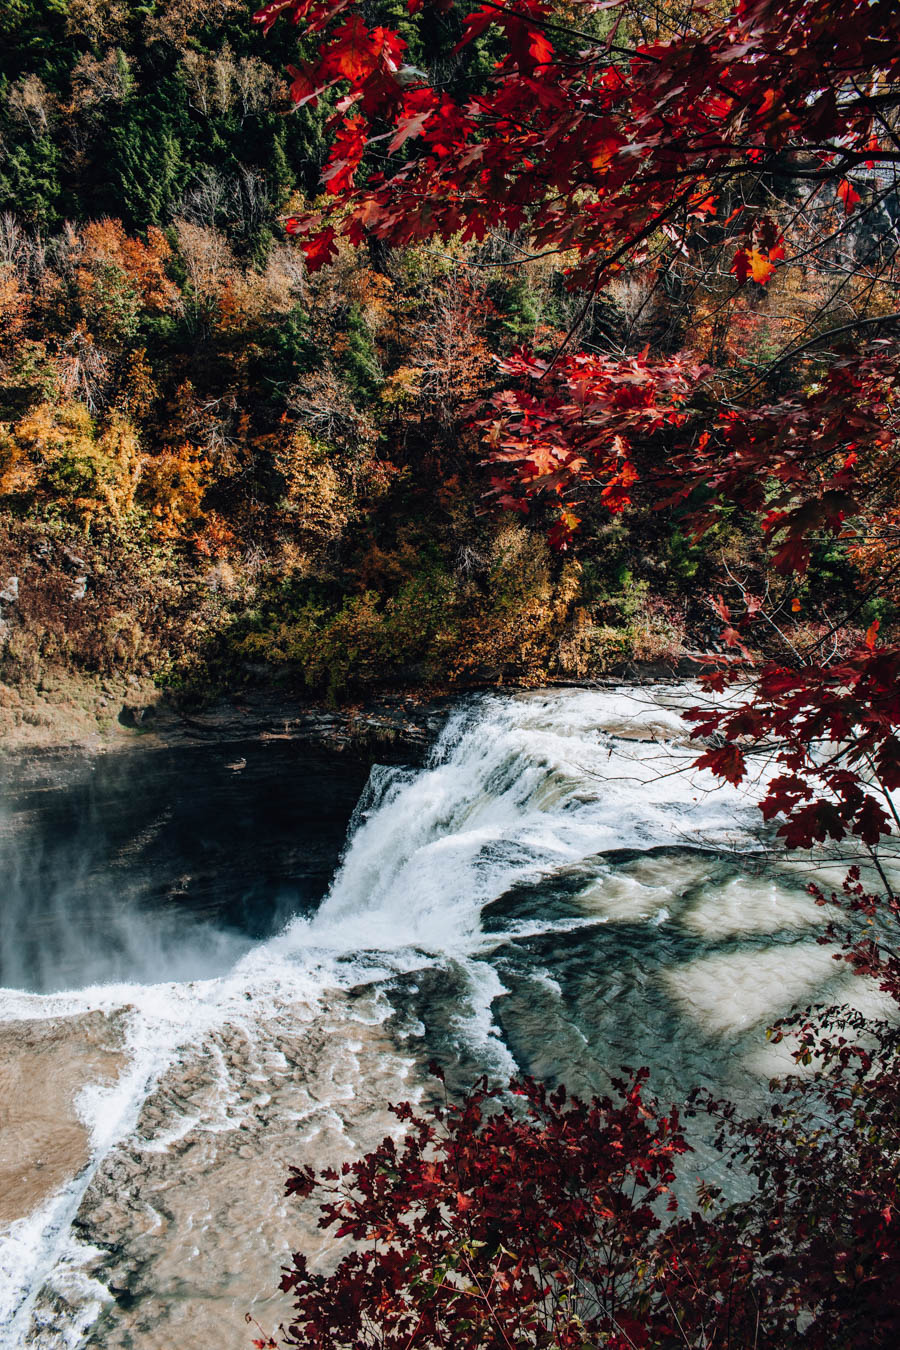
78 714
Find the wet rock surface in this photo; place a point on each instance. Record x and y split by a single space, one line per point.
43 1067
391 729
184 1226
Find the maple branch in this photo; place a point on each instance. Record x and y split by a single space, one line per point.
814 341
576 323
549 26
876 863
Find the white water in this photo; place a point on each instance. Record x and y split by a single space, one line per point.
522 795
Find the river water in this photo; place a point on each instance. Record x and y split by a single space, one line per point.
195 1003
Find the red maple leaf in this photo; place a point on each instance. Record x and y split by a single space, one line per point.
320 248
848 194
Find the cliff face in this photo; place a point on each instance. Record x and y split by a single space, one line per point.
218 825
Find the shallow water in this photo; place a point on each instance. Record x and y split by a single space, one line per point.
554 893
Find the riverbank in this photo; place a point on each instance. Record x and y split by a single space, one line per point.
92 714
106 638
93 717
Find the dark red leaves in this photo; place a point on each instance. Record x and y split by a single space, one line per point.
666 124
544 1228
471 1235
832 731
302 1181
580 428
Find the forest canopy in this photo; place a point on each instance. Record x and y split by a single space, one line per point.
585 352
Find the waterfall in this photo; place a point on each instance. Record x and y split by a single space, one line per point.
517 788
556 891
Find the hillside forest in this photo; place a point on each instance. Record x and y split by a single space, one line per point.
220 467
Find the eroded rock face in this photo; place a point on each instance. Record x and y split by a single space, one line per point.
44 1065
164 863
184 1223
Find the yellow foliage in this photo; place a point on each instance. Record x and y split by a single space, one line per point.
511 623
56 452
317 501
402 386
10 463
248 298
138 387
172 488
373 293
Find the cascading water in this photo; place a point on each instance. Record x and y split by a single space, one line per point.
555 893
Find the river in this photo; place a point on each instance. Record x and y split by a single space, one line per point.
237 970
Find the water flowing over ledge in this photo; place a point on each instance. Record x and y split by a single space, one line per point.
554 892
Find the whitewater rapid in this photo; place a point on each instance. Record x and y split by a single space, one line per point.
554 887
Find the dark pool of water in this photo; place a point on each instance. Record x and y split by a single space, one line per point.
162 863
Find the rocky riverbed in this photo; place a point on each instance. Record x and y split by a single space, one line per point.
182 1226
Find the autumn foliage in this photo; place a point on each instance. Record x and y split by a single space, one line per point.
709 159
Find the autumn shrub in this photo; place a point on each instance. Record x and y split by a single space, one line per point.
419 618
20 661
317 497
172 488
362 640
28 377
523 1218
57 456
494 1222
99 604
509 624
